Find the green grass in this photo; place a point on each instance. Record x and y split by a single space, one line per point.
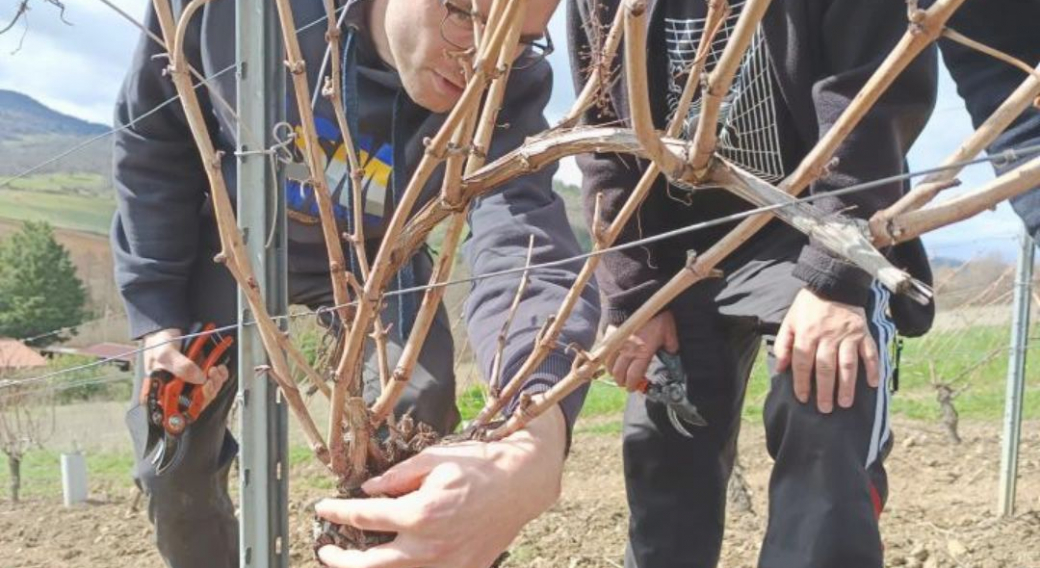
603 399
69 211
955 355
975 358
41 472
63 183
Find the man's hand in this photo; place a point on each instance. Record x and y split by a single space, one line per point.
455 506
832 337
162 351
629 364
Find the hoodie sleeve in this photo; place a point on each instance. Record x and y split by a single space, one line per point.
627 278
501 224
854 39
985 82
160 187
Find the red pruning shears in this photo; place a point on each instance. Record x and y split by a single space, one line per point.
173 403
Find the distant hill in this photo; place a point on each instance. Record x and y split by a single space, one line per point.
31 133
74 192
938 262
22 116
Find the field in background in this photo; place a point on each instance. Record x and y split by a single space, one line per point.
939 511
81 213
79 201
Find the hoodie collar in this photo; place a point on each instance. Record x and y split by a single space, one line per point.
355 14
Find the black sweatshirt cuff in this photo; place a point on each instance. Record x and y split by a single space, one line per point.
615 316
155 307
555 367
618 306
833 278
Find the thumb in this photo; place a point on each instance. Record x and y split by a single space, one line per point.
404 477
172 360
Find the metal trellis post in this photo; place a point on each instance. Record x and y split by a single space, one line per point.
264 432
1016 377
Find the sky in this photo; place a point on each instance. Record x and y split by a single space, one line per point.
77 70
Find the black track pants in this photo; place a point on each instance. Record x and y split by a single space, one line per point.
827 485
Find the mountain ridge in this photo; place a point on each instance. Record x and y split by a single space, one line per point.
23 116
32 133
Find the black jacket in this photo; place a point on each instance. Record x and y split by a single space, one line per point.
163 227
809 60
984 82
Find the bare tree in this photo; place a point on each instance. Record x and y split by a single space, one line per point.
26 422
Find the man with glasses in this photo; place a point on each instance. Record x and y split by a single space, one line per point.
457 506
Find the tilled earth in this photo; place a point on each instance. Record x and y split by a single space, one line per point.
940 513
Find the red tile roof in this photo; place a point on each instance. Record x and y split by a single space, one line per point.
116 351
16 355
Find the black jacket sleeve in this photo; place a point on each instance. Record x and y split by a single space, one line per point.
160 188
627 278
502 223
985 82
852 39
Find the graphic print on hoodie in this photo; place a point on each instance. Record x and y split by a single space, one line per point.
749 134
376 158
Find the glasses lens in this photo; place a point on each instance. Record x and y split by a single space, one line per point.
458 16
457 25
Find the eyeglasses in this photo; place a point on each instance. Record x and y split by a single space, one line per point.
457 31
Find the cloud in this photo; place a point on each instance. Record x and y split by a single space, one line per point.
78 70
950 124
563 86
74 69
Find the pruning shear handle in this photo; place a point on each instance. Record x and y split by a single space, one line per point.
672 393
173 403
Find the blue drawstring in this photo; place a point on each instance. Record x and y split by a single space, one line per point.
405 278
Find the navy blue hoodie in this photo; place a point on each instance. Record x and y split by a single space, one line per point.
164 224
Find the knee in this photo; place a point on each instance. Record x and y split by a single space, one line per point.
177 493
791 424
192 486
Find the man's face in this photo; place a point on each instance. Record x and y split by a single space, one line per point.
423 55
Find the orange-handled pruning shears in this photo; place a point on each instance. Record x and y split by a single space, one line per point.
173 403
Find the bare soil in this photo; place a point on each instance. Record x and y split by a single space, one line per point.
940 513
